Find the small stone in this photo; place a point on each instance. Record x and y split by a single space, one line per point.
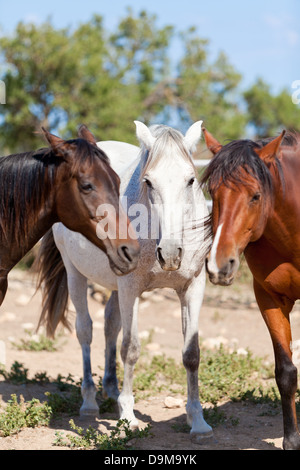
7 316
23 300
242 352
214 343
152 347
144 334
171 402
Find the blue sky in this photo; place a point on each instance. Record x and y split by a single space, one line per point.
260 37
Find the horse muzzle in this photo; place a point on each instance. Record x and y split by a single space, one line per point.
125 258
225 275
169 257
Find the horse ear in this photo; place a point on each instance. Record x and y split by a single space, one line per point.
192 136
144 135
271 150
84 133
59 146
212 144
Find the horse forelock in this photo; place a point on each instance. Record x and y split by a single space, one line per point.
232 164
169 145
85 153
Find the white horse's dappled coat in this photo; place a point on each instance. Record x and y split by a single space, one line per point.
166 205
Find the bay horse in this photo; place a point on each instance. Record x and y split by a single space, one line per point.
256 210
159 185
65 182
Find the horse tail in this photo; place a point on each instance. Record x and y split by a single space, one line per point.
52 279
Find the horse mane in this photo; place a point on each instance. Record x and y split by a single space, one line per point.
225 167
27 180
168 140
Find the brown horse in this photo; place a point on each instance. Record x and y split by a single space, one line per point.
65 182
256 210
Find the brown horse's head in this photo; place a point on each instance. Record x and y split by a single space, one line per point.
87 192
241 186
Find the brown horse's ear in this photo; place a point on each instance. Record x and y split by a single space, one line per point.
271 150
59 146
212 144
84 133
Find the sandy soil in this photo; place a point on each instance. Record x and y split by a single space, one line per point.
228 315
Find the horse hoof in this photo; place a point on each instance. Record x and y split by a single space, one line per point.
87 413
132 423
200 438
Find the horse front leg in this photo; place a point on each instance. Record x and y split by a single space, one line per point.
111 330
130 350
191 301
278 323
77 285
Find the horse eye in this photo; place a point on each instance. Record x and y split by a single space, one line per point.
256 197
86 187
148 183
190 183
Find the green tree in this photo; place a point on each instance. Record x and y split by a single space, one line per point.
209 90
269 113
62 78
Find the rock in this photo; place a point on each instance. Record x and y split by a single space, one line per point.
7 316
214 343
171 402
23 300
144 334
28 326
152 347
242 352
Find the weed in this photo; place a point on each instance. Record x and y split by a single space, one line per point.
225 374
18 415
36 343
18 375
90 438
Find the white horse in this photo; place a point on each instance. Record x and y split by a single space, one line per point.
159 183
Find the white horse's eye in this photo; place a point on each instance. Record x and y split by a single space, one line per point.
148 183
191 181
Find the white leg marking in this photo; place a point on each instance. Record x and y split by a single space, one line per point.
212 263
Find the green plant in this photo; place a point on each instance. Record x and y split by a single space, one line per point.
18 375
36 343
18 415
90 438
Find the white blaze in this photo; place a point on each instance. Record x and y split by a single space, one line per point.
212 263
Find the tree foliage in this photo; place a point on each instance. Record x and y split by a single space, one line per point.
60 78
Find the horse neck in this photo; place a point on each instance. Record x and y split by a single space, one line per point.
284 215
38 217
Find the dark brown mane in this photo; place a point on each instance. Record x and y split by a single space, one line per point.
225 167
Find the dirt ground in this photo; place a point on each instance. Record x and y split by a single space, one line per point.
229 315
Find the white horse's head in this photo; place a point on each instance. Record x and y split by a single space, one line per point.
169 179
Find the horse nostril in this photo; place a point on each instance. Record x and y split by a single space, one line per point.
124 253
159 255
179 253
